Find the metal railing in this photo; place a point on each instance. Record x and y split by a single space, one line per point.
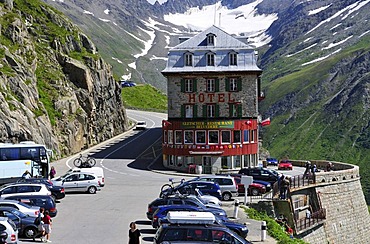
315 218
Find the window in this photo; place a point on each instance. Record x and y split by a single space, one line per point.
178 137
189 137
237 161
246 136
210 39
237 138
226 162
213 137
200 137
189 85
170 137
211 85
189 111
225 136
233 58
235 110
210 59
211 110
165 137
188 59
233 84
251 135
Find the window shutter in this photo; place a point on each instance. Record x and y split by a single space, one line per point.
194 85
239 84
195 111
227 84
217 110
182 84
240 111
182 115
217 85
230 110
204 111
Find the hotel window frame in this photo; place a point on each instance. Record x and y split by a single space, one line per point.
197 137
165 136
211 110
211 39
235 110
189 85
246 136
210 59
211 85
222 137
210 137
233 58
192 137
178 136
230 85
188 59
252 136
170 137
235 135
189 108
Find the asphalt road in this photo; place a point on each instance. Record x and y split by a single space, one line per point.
104 217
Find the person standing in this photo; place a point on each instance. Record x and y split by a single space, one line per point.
53 172
47 225
26 175
308 167
40 225
133 234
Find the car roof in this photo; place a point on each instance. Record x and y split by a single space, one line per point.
28 196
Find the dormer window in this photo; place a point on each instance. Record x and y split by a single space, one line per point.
233 58
211 39
210 59
188 59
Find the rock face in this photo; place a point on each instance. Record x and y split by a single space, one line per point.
54 87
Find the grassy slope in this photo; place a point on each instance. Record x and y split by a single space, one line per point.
313 132
144 97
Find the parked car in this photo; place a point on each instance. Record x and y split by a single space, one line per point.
266 184
98 171
260 174
195 229
56 191
207 188
127 84
8 226
285 164
227 184
46 202
24 189
140 125
272 161
78 182
24 208
181 200
254 189
26 224
240 229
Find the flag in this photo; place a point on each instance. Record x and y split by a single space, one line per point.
266 122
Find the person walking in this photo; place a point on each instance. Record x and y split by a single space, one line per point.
47 226
134 234
53 172
313 172
307 171
40 223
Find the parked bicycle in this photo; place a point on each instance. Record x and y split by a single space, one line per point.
84 161
169 188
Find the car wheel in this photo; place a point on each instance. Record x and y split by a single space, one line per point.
255 192
30 232
226 196
92 189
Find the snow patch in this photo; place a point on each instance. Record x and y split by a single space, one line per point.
290 55
364 33
106 11
331 45
318 10
104 20
322 58
88 12
116 59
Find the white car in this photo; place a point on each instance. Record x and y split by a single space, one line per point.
79 182
24 208
14 189
208 198
140 125
8 226
98 171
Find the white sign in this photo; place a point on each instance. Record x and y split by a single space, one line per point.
246 181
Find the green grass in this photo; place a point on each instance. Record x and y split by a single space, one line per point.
273 228
144 97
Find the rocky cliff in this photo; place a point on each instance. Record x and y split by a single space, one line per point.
55 89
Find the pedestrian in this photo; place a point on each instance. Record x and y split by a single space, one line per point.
285 186
40 223
308 167
329 167
308 214
26 175
47 226
280 185
53 172
133 234
313 172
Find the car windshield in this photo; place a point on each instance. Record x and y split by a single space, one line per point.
24 204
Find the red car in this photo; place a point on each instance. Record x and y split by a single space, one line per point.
285 165
254 189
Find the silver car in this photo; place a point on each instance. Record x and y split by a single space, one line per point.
8 226
227 184
78 182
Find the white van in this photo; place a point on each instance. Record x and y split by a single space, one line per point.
95 170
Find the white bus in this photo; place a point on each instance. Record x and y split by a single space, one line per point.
15 159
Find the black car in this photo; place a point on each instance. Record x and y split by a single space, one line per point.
56 191
260 174
46 202
26 224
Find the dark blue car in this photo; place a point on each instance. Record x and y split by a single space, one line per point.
265 183
188 187
160 217
272 161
